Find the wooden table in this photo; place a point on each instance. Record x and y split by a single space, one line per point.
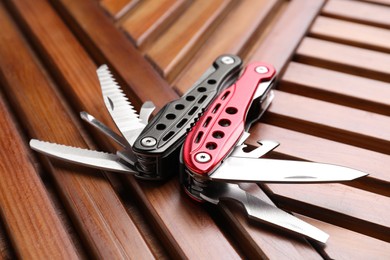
332 105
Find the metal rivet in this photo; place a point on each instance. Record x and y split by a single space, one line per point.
203 157
227 60
148 141
261 69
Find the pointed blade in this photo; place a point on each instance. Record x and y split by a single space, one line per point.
103 128
238 169
263 212
95 159
119 107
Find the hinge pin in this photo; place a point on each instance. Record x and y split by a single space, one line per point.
203 157
148 141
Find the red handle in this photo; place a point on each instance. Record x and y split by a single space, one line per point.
217 132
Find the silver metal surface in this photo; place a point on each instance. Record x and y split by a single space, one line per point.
202 157
146 110
238 169
227 60
262 89
261 69
148 141
95 159
266 147
103 128
262 211
120 109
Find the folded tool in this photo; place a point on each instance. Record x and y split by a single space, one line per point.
150 149
214 161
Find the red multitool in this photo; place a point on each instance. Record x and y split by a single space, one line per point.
213 157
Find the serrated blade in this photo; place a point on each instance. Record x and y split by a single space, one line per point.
95 159
239 169
119 107
261 211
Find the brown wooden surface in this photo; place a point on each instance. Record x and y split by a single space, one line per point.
331 105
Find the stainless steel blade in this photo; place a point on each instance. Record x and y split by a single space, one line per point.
262 211
95 159
119 107
103 128
146 110
238 169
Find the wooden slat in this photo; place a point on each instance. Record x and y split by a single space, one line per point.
358 11
306 147
6 250
70 63
279 45
351 33
355 209
332 86
34 233
259 240
346 244
354 60
186 226
333 121
198 231
100 35
234 35
117 8
151 18
174 49
102 222
384 2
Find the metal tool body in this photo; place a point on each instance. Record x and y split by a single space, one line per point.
151 149
213 157
224 124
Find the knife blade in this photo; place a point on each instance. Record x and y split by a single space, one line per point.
119 107
262 211
239 169
85 157
151 149
158 146
213 155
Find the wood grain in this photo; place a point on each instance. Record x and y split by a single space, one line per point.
175 48
305 147
341 88
117 8
34 233
236 34
98 33
6 251
331 106
279 45
384 2
89 98
344 58
91 202
359 11
351 33
151 18
349 207
346 244
332 121
185 225
259 240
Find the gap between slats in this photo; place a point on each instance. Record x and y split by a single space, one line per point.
63 182
204 218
